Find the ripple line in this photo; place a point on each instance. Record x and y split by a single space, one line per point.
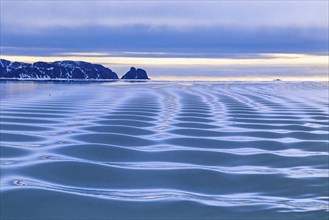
153 195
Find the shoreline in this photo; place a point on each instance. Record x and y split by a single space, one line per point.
152 81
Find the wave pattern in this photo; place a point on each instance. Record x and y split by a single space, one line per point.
186 150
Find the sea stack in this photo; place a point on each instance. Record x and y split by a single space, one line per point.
134 73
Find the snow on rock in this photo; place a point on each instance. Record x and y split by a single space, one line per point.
56 70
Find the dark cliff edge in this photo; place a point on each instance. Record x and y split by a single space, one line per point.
61 70
55 70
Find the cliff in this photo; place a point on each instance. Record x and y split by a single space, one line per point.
55 70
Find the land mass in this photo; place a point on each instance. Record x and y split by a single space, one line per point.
65 69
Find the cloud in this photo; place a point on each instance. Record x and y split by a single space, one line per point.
34 16
141 38
163 28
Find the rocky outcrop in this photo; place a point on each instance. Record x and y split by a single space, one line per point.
134 73
55 70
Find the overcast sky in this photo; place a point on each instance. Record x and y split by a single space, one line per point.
227 26
35 15
164 28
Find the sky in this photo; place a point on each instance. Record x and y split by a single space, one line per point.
173 39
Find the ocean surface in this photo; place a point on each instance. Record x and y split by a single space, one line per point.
164 150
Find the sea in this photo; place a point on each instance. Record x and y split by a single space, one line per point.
164 150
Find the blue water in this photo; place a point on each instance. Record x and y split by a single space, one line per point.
164 150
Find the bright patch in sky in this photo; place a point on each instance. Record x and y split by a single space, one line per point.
269 66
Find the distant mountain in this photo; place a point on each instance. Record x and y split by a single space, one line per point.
55 70
134 73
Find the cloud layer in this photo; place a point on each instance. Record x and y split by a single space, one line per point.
180 26
35 15
215 39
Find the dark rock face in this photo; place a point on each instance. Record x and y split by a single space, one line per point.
134 73
55 70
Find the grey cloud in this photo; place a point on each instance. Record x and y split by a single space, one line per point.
32 16
141 38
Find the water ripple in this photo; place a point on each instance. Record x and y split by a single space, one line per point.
147 195
234 148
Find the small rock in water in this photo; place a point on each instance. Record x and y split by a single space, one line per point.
134 73
19 183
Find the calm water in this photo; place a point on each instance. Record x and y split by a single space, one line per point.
164 150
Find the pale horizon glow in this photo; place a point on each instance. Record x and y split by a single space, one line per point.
273 60
265 60
228 78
